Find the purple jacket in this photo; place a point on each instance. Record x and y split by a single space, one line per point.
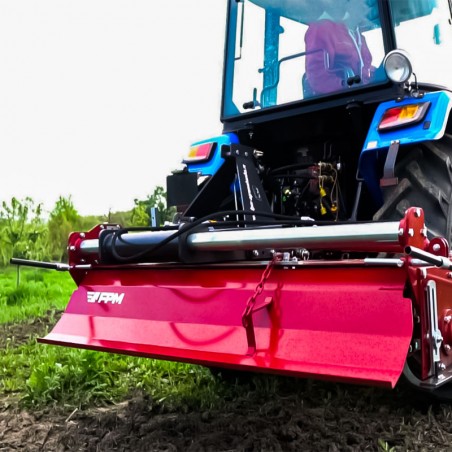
338 48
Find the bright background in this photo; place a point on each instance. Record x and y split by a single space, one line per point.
100 99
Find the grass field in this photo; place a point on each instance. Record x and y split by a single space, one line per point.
29 293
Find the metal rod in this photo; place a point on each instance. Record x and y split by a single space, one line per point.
344 237
30 263
383 262
361 237
437 261
89 246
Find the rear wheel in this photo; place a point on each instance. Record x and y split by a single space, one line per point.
441 394
424 172
425 180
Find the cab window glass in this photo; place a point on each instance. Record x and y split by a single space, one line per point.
289 51
423 29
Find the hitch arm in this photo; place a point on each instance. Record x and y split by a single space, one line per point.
31 263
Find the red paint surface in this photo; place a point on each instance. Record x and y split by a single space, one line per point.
337 322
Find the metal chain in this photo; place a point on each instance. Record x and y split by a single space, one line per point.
277 257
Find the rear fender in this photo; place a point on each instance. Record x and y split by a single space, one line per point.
432 126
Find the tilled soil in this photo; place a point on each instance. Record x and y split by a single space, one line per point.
303 415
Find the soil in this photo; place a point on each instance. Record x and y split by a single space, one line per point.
303 415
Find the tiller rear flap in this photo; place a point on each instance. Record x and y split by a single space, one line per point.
344 319
349 322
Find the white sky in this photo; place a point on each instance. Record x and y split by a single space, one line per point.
100 99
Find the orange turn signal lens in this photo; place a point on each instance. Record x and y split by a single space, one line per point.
403 116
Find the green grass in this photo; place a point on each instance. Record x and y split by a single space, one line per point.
36 292
43 375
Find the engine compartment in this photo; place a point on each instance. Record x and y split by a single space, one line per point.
309 185
307 166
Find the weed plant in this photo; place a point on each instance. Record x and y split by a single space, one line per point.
49 375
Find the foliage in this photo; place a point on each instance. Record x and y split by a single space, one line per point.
83 377
23 233
124 219
141 211
63 220
384 446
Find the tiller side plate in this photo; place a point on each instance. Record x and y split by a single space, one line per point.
342 321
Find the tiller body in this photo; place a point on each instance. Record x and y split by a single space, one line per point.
354 320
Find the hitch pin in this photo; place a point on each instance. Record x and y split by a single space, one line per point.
437 261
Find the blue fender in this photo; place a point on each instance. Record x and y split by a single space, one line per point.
431 127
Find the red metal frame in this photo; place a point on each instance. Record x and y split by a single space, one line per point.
343 320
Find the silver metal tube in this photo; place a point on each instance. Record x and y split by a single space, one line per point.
89 246
382 262
438 261
365 237
344 237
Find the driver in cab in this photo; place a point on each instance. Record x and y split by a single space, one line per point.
337 52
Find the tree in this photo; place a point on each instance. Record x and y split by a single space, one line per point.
63 220
22 230
141 211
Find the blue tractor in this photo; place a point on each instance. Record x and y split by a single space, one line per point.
335 140
312 236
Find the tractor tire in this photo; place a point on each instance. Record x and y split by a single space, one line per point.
424 174
425 180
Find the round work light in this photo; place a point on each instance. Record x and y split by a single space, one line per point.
397 66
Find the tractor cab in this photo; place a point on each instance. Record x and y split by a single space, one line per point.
283 57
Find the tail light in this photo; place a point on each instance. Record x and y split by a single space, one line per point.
200 152
403 115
